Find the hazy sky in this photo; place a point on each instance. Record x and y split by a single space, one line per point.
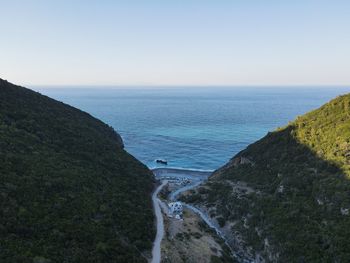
237 42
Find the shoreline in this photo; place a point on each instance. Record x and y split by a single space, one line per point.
183 171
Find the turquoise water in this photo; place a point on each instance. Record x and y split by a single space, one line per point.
196 128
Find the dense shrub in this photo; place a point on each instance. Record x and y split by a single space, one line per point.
69 192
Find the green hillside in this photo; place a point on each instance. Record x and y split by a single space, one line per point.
288 195
69 192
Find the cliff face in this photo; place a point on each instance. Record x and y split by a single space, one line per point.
286 198
69 192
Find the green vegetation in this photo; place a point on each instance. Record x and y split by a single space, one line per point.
69 192
299 209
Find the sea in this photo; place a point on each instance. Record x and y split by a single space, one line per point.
197 128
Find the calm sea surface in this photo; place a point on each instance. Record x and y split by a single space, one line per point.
197 128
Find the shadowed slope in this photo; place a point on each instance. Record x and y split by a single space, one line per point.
69 192
287 196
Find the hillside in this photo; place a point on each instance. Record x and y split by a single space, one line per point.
69 192
286 198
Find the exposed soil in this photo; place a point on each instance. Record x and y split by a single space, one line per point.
191 240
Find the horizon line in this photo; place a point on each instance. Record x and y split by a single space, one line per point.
167 85
163 86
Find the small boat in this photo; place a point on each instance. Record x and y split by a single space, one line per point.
162 161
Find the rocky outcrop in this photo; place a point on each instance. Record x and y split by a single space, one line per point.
239 160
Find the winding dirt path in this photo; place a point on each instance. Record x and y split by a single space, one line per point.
156 255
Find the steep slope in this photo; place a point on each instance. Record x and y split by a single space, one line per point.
69 192
286 198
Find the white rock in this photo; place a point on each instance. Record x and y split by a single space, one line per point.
319 201
280 188
344 211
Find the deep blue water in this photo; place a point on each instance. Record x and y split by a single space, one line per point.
198 128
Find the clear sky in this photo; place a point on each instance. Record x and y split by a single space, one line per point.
178 42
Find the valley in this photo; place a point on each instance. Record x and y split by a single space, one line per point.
188 235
